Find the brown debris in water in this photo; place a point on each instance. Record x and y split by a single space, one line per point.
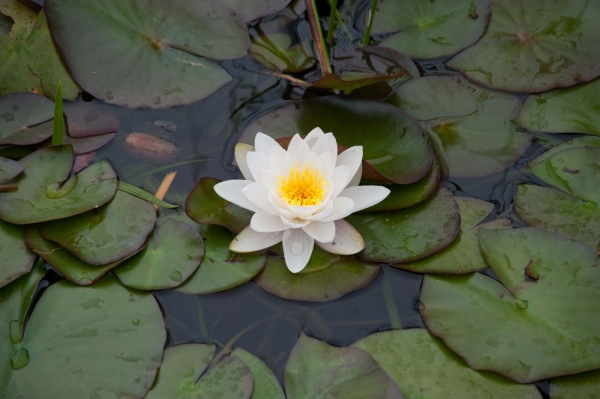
151 144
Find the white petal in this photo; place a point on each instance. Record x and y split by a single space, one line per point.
264 143
352 158
365 196
328 161
321 231
347 240
241 153
264 222
342 207
355 181
257 163
231 190
257 194
323 213
326 143
249 240
339 180
297 248
313 136
298 148
304 211
281 161
294 223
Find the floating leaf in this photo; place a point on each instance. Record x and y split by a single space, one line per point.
249 10
25 118
43 196
107 234
580 386
540 325
146 196
9 169
275 51
89 119
397 148
318 370
203 205
15 258
171 38
558 212
424 368
173 253
583 141
471 124
266 385
572 110
406 235
534 46
339 278
431 29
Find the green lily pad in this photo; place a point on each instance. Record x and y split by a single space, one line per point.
249 10
397 148
534 46
25 118
173 253
318 370
572 110
266 385
275 51
583 141
462 255
538 323
431 29
203 205
107 234
575 171
424 368
407 195
470 125
580 386
161 50
221 269
406 235
558 212
28 58
337 279
184 364
71 267
109 321
42 196
15 258
9 169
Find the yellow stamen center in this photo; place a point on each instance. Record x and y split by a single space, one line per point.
303 186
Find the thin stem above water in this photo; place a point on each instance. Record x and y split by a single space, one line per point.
367 35
317 33
332 20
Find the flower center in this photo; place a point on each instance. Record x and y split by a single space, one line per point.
303 186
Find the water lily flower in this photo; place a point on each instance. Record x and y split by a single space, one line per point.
300 196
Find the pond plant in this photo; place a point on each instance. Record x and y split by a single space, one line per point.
380 199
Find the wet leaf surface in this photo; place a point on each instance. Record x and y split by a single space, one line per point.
534 46
249 10
42 196
25 118
318 370
580 386
471 125
405 235
534 323
424 368
266 385
9 169
15 258
431 29
175 40
107 234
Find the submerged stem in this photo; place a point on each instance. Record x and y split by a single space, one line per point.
332 20
367 35
317 33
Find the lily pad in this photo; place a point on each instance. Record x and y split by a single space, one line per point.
572 110
25 118
275 51
43 196
28 58
537 322
221 269
9 169
89 119
397 148
558 212
161 50
318 370
583 141
249 10
534 46
71 267
107 234
266 385
203 205
173 253
406 235
15 258
108 321
424 368
337 279
431 29
470 125
580 386
462 255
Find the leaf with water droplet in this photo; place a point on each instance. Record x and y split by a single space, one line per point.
25 118
15 258
9 169
266 385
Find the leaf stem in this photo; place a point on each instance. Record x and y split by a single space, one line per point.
317 33
164 187
59 121
6 188
332 20
367 35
